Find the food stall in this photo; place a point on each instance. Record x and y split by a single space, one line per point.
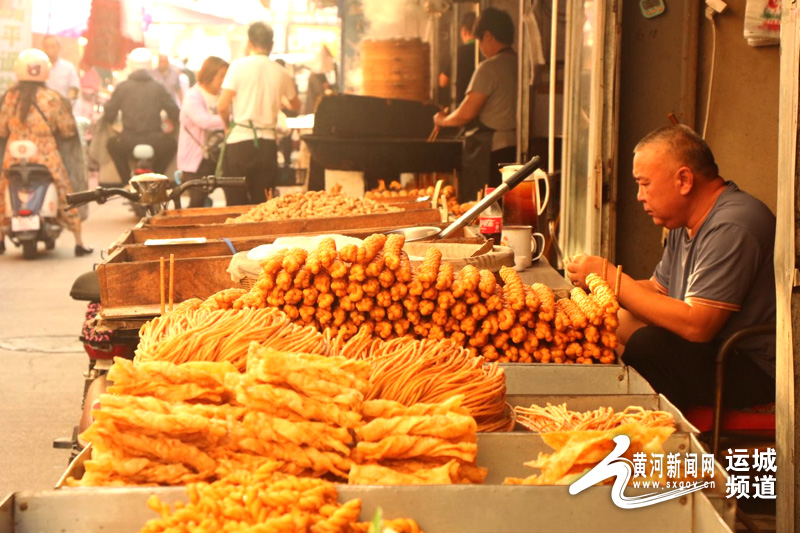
588 386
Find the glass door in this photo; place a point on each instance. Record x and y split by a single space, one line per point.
589 127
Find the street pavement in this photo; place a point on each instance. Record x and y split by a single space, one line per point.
41 360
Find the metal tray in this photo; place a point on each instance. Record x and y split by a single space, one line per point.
538 378
438 509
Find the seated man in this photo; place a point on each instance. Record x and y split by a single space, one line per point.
715 277
141 99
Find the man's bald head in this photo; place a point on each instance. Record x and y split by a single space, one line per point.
686 148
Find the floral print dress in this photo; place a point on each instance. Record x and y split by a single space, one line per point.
59 121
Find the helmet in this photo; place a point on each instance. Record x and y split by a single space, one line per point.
32 65
140 58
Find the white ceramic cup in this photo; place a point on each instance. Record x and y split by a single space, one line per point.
528 246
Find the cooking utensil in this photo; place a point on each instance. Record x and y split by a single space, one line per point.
415 234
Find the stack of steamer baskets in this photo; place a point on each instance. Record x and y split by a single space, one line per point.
396 68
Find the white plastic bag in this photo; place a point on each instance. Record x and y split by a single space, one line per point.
762 22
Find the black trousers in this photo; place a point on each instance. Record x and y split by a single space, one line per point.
197 197
258 165
121 150
683 371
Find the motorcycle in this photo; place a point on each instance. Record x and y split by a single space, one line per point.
152 192
141 162
31 201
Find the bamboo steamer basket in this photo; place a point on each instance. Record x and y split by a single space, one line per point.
396 68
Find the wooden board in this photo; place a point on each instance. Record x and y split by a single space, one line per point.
385 221
136 284
186 217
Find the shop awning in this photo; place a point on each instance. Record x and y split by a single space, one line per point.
166 13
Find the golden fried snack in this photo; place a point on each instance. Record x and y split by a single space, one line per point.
312 204
392 249
264 501
194 380
370 247
408 446
288 403
377 474
449 426
388 408
429 269
106 439
315 375
593 312
319 435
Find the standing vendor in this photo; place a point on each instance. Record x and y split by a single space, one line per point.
491 102
716 276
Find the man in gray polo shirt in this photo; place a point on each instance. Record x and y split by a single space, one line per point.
715 277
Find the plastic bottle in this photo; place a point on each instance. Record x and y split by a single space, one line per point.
491 221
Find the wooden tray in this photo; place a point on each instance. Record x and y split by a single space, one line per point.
379 222
218 215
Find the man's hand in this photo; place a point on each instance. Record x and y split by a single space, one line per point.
438 119
582 265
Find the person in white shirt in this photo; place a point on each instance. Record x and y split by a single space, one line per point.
254 89
63 75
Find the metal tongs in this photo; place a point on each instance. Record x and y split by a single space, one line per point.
427 232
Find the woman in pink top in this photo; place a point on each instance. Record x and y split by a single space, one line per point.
198 119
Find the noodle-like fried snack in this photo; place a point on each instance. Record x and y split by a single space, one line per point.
559 418
223 335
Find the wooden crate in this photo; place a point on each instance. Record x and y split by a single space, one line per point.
375 223
218 215
131 287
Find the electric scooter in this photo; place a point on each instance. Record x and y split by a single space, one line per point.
31 201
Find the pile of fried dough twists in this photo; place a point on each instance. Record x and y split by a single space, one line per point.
165 424
374 287
265 501
405 370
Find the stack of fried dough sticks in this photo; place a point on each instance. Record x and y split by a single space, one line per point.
374 287
404 370
163 423
265 501
421 444
166 424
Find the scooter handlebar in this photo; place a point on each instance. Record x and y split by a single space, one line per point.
99 195
84 197
230 182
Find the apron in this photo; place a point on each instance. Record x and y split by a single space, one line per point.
475 163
